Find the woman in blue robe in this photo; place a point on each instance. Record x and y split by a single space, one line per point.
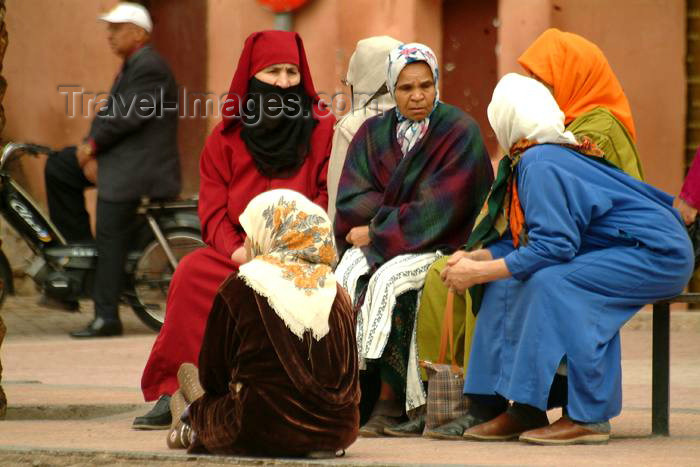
570 248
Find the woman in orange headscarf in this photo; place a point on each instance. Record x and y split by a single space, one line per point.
588 92
584 86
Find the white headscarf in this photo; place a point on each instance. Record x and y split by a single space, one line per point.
366 72
294 253
409 132
523 108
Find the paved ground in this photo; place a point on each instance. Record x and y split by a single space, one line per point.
72 403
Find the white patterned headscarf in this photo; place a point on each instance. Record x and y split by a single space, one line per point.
523 108
293 258
409 132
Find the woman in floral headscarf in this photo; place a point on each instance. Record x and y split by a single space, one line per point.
413 181
260 145
278 363
569 248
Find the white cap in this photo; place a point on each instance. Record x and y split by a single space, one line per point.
127 12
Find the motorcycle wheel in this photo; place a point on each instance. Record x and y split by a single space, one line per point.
153 272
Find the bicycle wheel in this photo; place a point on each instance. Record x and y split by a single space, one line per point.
153 272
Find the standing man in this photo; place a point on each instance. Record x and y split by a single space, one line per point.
132 143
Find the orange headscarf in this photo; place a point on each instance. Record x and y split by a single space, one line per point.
514 210
580 75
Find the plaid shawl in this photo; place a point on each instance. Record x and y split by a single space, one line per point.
424 201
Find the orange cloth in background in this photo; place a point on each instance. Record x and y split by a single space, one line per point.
580 75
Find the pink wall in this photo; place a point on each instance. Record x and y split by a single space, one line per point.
644 42
46 50
55 42
186 20
330 29
405 20
469 61
519 24
41 56
228 26
317 24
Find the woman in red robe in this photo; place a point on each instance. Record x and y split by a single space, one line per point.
274 134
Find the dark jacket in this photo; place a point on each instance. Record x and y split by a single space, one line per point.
136 134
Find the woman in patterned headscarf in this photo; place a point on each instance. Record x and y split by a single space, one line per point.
413 181
586 89
278 362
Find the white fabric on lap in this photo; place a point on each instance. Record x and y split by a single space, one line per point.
395 277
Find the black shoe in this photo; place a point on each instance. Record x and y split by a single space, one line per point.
456 428
376 425
70 306
407 429
158 418
98 327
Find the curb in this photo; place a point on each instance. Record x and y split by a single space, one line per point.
90 457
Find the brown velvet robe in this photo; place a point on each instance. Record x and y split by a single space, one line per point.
268 392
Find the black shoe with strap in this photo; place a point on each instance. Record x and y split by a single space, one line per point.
456 428
411 428
158 418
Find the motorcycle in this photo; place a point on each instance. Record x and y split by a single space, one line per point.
167 231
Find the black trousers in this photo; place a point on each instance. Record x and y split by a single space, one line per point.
116 227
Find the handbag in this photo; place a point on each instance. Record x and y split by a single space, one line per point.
446 400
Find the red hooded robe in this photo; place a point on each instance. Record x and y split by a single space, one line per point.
229 179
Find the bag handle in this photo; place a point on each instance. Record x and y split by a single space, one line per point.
448 333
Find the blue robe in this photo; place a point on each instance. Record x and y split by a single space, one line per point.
601 245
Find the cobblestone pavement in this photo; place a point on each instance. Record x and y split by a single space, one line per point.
24 318
71 402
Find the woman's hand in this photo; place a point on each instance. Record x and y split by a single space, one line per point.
461 274
358 236
239 255
467 272
477 255
688 213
